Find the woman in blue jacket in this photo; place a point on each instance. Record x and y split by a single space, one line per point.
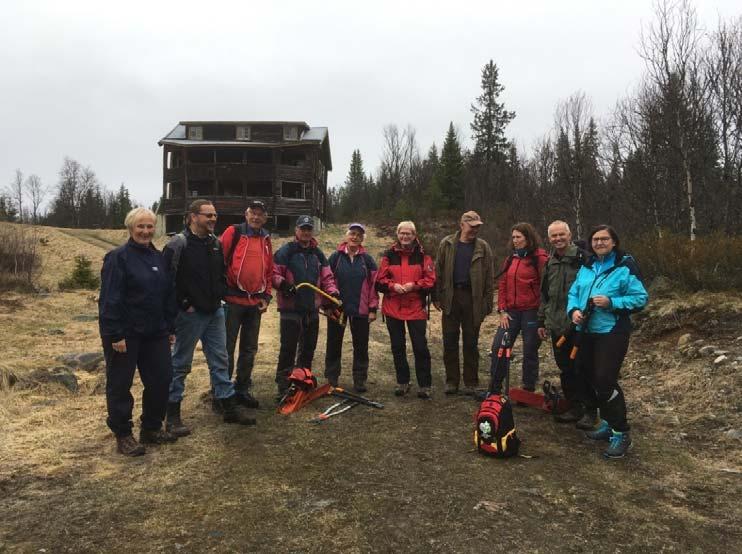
137 316
605 292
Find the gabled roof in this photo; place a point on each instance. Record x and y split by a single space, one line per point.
309 135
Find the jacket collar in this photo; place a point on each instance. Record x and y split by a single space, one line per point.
416 246
134 244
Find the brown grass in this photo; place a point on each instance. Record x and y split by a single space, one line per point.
400 479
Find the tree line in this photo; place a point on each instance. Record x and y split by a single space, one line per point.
667 160
79 199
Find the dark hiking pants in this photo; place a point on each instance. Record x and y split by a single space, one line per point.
359 330
299 331
416 328
601 356
246 318
574 386
461 321
525 322
152 356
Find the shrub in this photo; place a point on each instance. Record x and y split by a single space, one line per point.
19 258
82 276
712 262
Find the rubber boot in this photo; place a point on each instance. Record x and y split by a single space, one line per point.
235 413
174 425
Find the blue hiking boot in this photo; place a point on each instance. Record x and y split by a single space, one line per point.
619 445
602 432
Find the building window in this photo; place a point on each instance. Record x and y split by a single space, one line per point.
243 132
291 189
291 132
195 133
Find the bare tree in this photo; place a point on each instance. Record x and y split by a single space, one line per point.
670 48
15 192
36 192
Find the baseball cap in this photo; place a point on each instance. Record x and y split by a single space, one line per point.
257 204
472 218
357 226
305 221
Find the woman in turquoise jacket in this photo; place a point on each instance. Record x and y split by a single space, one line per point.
606 290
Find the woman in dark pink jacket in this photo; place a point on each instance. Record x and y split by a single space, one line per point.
518 299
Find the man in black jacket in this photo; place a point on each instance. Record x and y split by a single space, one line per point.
196 261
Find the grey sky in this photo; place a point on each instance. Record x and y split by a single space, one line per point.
102 82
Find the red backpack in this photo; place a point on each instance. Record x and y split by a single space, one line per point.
494 432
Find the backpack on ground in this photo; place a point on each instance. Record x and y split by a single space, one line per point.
494 424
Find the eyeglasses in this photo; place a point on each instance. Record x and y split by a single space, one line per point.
208 215
602 239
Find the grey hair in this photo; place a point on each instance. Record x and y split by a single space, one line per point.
558 222
136 214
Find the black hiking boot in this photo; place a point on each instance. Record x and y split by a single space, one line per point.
589 420
360 387
128 446
247 400
235 413
150 436
173 424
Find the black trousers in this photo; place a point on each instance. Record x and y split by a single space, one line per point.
152 356
574 385
246 318
359 331
299 331
601 356
396 328
526 322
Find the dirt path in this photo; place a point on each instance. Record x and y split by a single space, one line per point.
92 237
401 479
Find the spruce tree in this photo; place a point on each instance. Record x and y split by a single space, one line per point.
451 171
490 118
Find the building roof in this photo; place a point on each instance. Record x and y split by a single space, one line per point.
309 135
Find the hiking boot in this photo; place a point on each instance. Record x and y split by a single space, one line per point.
620 442
589 420
359 387
235 413
128 446
602 432
469 391
150 436
424 393
333 382
280 395
401 389
247 400
450 389
173 423
570 416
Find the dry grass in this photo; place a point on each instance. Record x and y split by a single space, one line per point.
400 479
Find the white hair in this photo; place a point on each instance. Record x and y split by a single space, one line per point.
409 224
558 222
136 214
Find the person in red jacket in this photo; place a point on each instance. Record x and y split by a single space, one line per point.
518 299
249 267
406 276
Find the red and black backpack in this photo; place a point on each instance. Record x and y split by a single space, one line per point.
494 431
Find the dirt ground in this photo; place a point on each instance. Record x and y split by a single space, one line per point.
402 479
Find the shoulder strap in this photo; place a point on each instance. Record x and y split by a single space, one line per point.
179 241
508 262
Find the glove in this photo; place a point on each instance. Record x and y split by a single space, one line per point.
287 288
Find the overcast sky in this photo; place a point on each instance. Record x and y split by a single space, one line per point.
103 82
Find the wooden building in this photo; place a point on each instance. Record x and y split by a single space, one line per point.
282 163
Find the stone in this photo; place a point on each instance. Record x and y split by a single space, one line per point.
87 361
708 349
735 434
721 352
738 339
60 374
720 359
684 340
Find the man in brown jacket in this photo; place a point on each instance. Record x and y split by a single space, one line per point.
464 292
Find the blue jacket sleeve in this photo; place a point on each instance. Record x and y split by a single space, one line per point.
634 296
111 313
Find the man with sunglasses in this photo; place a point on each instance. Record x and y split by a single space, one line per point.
196 263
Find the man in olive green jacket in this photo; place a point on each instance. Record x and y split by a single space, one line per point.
464 292
556 279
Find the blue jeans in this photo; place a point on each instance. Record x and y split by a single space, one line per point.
525 322
190 327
